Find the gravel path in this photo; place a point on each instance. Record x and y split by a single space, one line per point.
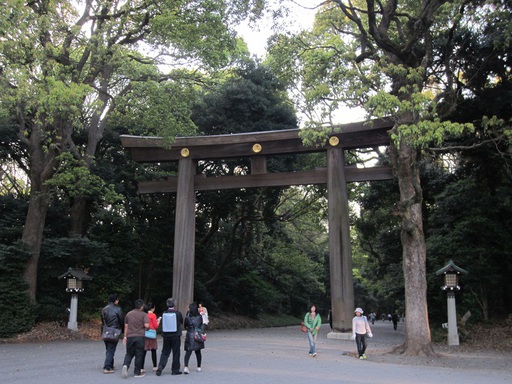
266 356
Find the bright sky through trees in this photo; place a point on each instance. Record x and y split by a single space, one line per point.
256 35
300 18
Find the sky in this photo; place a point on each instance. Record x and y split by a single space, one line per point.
256 38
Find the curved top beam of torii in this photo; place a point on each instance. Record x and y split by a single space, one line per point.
257 145
149 149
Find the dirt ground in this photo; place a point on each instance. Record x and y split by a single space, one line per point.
486 347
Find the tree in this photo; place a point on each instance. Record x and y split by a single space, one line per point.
379 55
64 65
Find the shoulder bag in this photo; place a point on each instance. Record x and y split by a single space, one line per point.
110 333
150 334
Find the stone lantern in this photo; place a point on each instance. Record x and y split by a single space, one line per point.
451 273
74 278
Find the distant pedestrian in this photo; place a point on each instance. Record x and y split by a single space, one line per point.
135 324
312 321
395 318
151 344
360 329
111 316
204 314
193 321
172 321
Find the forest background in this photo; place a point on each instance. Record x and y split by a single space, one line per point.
76 78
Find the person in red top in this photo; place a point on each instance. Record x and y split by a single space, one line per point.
151 344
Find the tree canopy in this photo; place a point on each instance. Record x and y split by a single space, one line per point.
65 66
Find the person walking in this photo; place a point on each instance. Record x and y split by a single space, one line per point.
360 329
395 318
193 322
312 321
135 324
111 316
172 320
151 344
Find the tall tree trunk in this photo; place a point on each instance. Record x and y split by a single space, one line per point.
32 237
405 160
80 212
79 217
42 168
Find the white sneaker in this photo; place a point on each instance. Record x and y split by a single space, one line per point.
198 369
186 371
124 372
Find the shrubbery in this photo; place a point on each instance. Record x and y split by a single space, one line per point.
16 313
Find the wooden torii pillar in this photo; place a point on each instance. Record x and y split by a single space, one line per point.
184 236
340 266
256 146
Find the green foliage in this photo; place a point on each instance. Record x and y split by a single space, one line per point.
11 218
65 68
77 180
471 226
13 292
251 99
59 254
427 133
377 251
315 135
150 103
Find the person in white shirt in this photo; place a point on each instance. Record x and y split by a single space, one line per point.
360 329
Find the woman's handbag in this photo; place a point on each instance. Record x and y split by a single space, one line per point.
199 336
303 327
150 334
110 333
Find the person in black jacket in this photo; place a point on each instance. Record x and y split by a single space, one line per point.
193 322
111 316
172 342
395 320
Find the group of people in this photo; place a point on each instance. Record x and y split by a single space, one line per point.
143 318
360 330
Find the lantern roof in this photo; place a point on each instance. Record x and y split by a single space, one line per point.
451 268
74 273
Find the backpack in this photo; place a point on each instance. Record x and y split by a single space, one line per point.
169 322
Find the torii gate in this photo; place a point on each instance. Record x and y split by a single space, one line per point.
257 146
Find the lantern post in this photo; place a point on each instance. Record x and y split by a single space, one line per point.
451 273
74 279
